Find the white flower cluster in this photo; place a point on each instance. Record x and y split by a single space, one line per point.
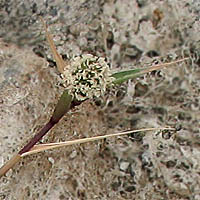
86 76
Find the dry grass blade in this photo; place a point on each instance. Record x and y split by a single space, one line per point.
160 66
42 147
15 159
59 61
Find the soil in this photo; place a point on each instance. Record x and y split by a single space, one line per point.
129 34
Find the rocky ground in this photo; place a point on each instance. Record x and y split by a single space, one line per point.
130 34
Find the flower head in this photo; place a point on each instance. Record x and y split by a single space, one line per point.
86 76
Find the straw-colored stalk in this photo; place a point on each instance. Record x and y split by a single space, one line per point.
42 147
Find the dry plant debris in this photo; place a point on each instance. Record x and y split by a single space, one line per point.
114 169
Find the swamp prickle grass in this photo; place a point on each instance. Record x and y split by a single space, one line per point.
84 77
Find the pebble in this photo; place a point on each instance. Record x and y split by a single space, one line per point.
73 154
124 166
51 160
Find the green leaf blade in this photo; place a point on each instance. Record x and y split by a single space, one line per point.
62 106
123 76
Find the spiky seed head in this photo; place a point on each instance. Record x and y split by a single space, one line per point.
86 76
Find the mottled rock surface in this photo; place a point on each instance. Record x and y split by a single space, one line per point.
129 33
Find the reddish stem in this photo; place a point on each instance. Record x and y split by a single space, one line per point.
37 137
45 129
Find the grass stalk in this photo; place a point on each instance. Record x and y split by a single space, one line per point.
42 147
64 104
